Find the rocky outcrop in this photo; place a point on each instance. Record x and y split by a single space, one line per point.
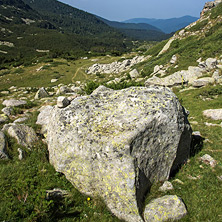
115 144
115 67
178 78
167 208
209 5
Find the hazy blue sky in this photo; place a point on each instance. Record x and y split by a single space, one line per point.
119 10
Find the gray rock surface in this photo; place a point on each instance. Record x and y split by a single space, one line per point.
24 135
166 208
3 154
14 102
41 93
20 120
63 90
215 114
211 63
117 143
173 59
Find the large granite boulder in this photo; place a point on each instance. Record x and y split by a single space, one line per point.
116 144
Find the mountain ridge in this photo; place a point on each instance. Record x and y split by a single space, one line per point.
166 25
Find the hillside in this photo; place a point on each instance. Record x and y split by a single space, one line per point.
166 25
137 31
27 34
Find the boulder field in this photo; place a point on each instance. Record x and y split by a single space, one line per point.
116 143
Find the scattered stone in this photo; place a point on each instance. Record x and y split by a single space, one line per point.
115 67
24 135
166 186
134 74
62 102
3 118
41 93
20 120
3 154
193 178
211 63
20 154
76 89
215 114
117 143
194 122
56 194
173 59
54 80
213 124
7 111
207 159
14 102
178 181
157 68
166 208
63 90
72 97
203 82
5 92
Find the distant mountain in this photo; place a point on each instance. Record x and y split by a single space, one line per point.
31 29
166 25
137 31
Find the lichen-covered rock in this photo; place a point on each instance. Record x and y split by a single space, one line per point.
24 135
3 154
7 111
165 208
115 144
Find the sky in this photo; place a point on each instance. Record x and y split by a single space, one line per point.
120 10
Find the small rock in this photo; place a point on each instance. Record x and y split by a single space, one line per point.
56 194
5 92
166 208
166 186
193 178
41 93
211 63
178 181
14 102
54 80
20 120
173 59
207 159
3 154
134 74
64 90
62 102
7 111
20 154
76 89
215 114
